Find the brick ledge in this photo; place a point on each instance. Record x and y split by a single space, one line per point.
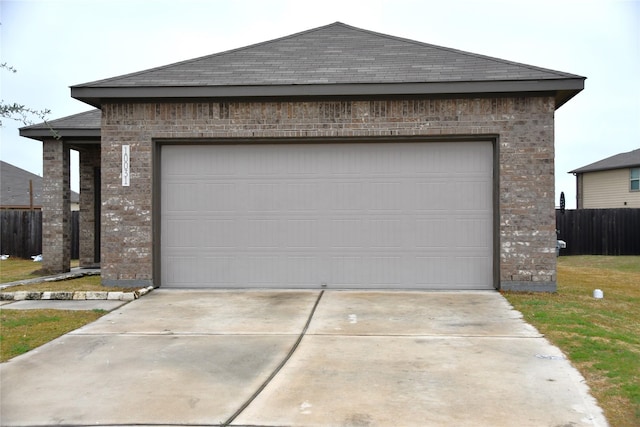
76 295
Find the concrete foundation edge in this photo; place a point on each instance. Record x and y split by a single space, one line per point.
128 283
529 286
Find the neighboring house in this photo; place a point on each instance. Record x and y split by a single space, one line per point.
21 189
613 182
332 158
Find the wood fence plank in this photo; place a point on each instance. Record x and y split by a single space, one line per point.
599 231
21 233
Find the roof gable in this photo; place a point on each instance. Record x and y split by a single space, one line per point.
336 59
619 161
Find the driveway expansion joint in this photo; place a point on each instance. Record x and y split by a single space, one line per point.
280 366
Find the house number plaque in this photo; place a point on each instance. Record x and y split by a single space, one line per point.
125 166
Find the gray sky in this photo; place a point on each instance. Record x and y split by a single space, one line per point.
55 44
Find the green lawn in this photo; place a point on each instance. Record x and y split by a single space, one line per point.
14 269
24 330
600 337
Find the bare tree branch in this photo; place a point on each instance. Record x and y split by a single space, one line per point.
20 112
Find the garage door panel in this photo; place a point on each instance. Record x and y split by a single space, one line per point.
386 271
297 196
177 269
401 215
263 270
217 197
218 269
218 233
386 233
472 233
343 196
478 196
368 272
433 271
349 163
263 233
433 195
183 233
469 269
345 233
302 271
302 233
182 197
433 232
386 196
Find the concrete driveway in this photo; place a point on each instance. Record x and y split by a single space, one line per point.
300 358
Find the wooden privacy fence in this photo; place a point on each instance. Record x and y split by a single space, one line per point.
599 231
21 233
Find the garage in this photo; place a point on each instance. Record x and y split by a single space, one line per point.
336 215
337 157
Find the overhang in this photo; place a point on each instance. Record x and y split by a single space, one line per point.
630 159
561 89
82 128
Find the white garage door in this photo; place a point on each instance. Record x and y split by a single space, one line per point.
383 215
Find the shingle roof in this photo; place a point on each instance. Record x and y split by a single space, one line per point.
14 187
82 126
619 161
336 59
87 120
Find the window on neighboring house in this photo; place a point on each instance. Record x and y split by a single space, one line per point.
635 179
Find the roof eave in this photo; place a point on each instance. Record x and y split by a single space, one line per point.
66 134
564 90
589 170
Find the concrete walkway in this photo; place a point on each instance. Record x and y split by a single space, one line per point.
300 358
74 272
106 305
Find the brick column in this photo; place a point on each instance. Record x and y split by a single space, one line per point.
89 207
56 207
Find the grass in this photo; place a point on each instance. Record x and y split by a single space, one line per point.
14 269
600 337
86 283
24 330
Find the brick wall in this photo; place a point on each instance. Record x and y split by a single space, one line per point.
56 207
89 161
523 126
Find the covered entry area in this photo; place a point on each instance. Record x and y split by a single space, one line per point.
387 215
79 132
